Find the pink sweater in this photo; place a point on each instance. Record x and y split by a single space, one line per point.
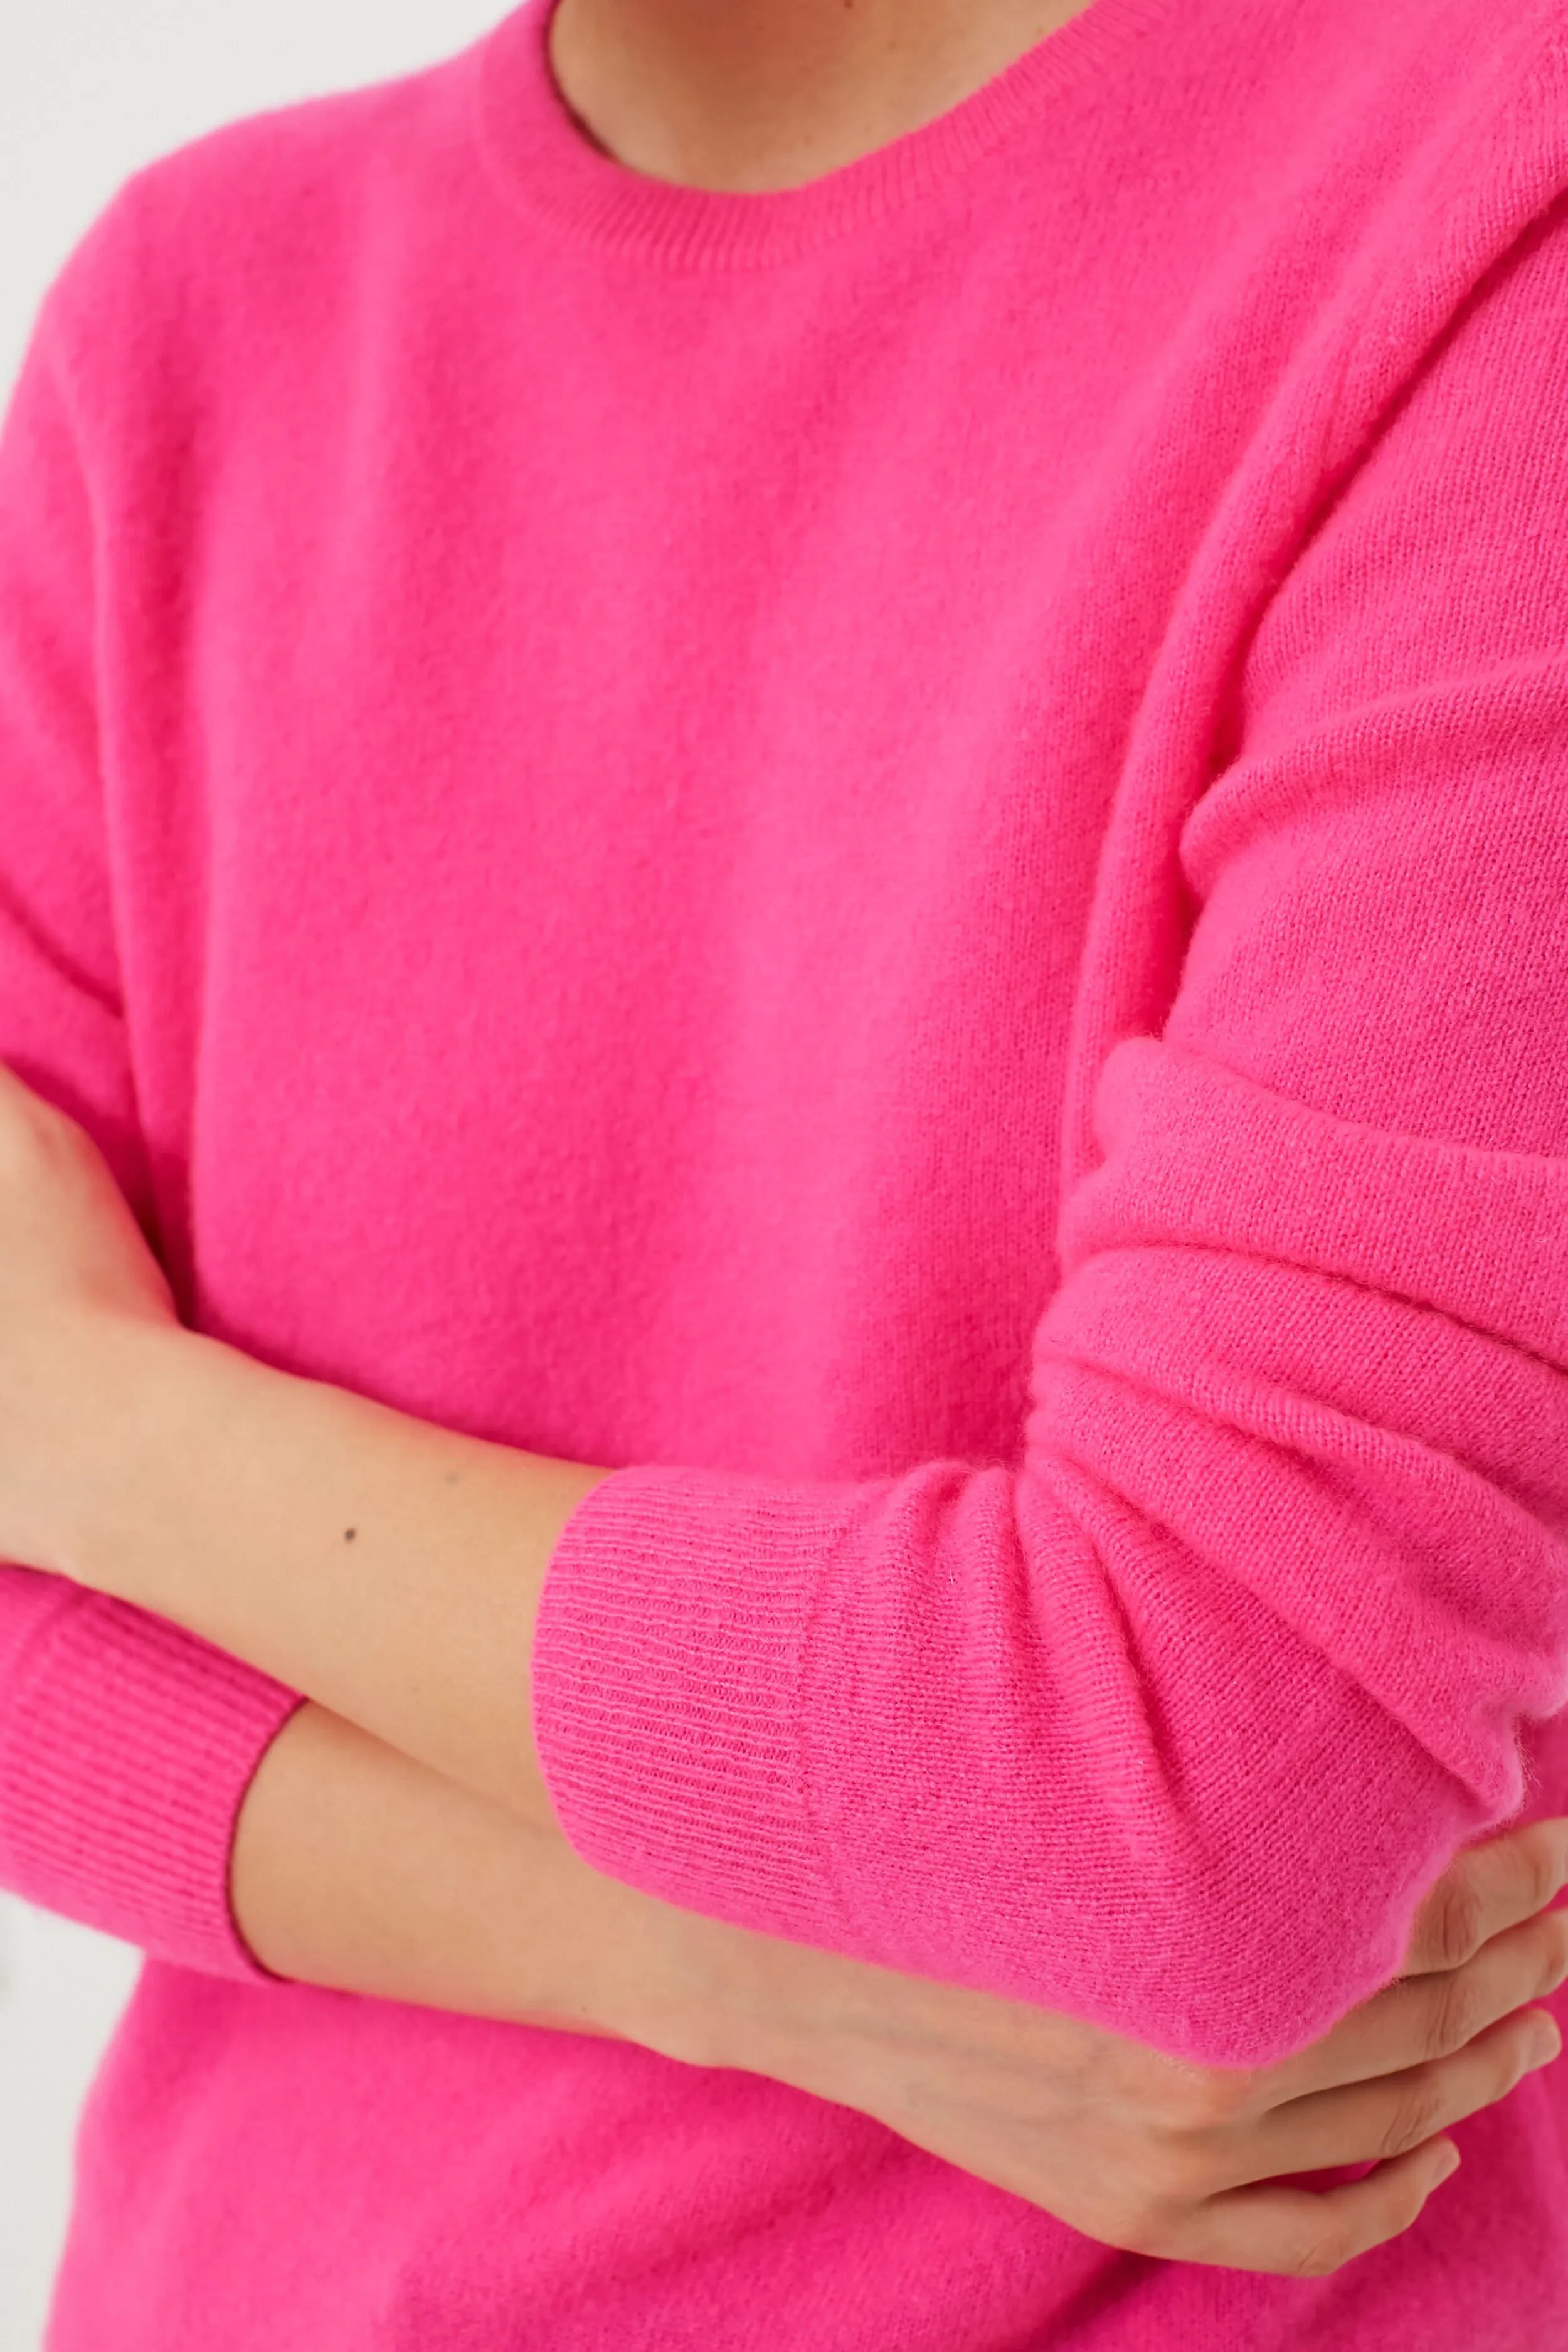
897 856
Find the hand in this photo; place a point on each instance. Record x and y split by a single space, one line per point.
1142 2151
77 1279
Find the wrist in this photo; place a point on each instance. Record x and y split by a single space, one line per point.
92 1475
152 1388
712 1994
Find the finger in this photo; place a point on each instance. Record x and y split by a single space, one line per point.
1373 2121
1487 1889
1429 2017
1303 2234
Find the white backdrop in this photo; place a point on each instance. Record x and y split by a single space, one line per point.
88 91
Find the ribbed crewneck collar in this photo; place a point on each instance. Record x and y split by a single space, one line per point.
545 160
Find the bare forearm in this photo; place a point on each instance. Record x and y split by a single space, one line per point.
358 1870
388 1568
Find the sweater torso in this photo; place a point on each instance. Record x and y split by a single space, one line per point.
650 744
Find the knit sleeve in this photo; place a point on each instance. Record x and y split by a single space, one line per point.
125 1745
1172 1724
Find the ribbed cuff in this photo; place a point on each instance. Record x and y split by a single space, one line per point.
126 1746
668 1667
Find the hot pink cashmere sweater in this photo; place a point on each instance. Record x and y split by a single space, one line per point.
895 855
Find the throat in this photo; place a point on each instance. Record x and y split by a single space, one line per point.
755 97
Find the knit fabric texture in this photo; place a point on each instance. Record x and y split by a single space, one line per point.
894 856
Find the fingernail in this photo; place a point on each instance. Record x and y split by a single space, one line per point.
1545 2042
1447 2162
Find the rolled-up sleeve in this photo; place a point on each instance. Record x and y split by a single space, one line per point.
1172 1723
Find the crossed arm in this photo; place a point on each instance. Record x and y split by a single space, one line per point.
399 1839
389 1568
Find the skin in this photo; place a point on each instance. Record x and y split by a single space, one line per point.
748 96
399 1841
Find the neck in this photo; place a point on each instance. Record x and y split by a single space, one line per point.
752 96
